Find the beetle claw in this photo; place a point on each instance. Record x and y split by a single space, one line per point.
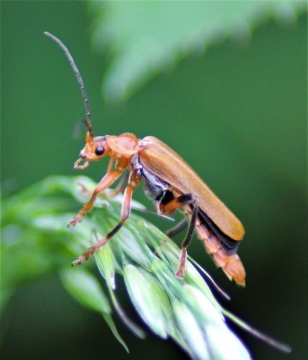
84 257
78 261
75 221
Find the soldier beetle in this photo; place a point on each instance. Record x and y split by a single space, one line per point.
170 182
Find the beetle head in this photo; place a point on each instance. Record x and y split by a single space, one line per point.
95 148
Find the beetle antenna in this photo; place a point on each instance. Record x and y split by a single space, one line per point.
79 79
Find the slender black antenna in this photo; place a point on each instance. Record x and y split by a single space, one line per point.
79 79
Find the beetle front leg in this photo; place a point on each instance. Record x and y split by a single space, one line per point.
125 212
180 202
106 181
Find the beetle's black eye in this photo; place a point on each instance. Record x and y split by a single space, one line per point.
99 150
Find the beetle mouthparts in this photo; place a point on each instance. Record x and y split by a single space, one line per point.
76 166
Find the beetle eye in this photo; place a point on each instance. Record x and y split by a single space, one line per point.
99 150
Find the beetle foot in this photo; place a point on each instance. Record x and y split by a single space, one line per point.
84 257
75 221
180 273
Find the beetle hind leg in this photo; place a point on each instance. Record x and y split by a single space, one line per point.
168 208
177 228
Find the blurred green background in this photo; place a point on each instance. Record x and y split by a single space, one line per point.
237 114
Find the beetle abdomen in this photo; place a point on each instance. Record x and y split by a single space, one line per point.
231 264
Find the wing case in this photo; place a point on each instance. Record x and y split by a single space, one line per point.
165 163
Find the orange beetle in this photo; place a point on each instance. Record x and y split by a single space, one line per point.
170 182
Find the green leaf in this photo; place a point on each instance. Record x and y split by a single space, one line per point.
39 242
106 265
114 330
85 288
147 37
191 330
146 295
224 344
258 334
135 329
206 311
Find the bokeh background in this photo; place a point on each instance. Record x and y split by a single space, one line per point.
236 112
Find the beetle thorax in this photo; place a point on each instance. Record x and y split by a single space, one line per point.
123 145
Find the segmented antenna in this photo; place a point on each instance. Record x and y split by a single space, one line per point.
79 79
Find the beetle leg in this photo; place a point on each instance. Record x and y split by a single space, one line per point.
180 202
177 228
106 181
125 212
110 164
182 264
119 187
